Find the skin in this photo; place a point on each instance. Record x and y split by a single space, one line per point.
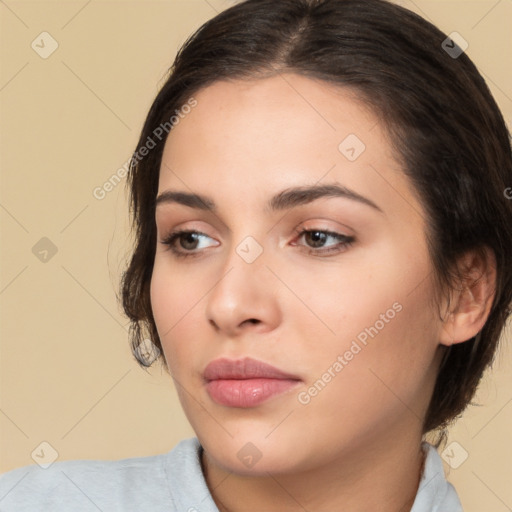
355 446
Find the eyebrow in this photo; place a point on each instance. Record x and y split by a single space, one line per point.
284 200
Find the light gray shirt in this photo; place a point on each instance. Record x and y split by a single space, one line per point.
169 482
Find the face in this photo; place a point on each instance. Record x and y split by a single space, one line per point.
331 286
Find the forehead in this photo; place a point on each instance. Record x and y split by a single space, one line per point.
288 130
275 114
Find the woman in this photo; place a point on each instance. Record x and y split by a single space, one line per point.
323 258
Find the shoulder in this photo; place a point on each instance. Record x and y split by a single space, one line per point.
139 483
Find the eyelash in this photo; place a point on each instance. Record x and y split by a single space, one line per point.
345 242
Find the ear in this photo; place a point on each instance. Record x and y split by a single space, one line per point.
470 304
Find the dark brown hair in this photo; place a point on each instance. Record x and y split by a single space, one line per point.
439 113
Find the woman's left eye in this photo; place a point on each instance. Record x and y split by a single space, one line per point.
317 238
185 243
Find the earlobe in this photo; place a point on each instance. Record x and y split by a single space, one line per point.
472 302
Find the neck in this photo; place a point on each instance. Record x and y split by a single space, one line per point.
380 476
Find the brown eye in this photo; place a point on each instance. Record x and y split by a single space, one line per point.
184 243
315 240
188 240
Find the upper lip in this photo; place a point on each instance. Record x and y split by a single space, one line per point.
246 368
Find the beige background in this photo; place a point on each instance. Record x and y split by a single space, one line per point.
68 123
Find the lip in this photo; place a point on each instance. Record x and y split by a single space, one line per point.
245 382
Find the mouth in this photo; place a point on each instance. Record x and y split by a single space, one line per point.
245 382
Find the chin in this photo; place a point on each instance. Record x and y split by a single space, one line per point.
250 453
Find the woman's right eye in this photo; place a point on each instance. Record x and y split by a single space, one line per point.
187 239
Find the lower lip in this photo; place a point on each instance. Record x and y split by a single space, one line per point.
248 392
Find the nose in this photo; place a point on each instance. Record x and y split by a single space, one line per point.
245 297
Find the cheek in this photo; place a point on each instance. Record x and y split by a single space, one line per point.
350 295
175 302
377 316
379 382
387 361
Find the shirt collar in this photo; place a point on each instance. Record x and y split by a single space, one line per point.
435 493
